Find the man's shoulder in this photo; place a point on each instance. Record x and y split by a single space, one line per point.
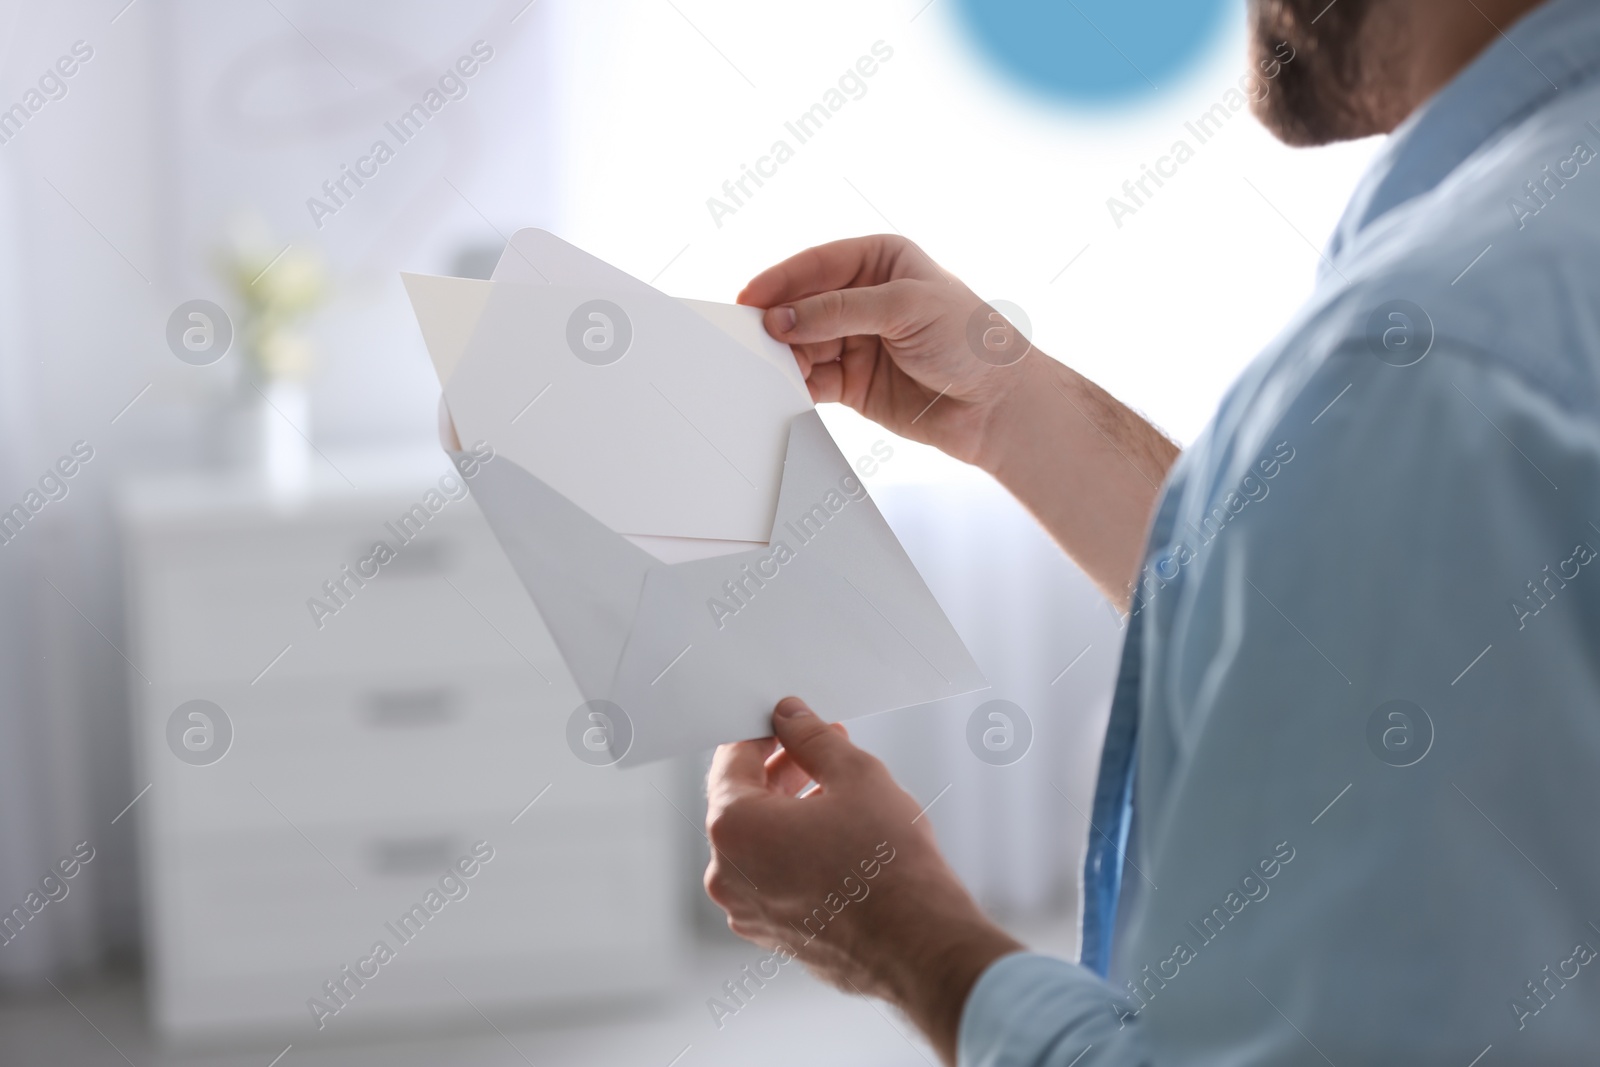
1474 307
1501 261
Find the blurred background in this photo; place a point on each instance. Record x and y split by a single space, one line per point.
161 152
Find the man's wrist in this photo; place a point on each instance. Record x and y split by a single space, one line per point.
1011 416
930 980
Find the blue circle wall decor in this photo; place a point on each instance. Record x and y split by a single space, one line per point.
1095 51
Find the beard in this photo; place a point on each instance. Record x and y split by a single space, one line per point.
1333 88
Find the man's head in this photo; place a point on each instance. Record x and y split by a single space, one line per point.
1361 66
1335 88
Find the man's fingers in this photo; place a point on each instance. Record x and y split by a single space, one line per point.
836 265
784 775
888 310
737 768
787 777
822 752
826 382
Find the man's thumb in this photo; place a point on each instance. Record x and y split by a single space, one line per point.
819 749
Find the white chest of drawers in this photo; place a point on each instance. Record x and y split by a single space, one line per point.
368 754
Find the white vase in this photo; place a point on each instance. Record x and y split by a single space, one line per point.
283 452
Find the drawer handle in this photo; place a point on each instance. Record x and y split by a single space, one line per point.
404 709
418 558
412 855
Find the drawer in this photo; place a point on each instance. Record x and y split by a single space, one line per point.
262 907
319 753
223 610
266 901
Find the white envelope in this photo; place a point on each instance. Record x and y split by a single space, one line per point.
691 535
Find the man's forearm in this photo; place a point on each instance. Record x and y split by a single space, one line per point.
930 979
1087 466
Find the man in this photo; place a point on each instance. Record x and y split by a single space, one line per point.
1351 763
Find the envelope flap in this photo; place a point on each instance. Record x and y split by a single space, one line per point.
833 610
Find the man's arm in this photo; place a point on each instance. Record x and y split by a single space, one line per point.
1430 703
1087 467
852 884
877 325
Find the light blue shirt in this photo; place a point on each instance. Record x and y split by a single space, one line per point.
1361 689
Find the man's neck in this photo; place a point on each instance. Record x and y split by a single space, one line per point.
1431 41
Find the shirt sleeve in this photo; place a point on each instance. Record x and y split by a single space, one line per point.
1029 1010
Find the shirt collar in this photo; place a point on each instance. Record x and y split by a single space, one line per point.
1552 48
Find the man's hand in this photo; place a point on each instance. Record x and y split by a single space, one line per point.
876 325
847 878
